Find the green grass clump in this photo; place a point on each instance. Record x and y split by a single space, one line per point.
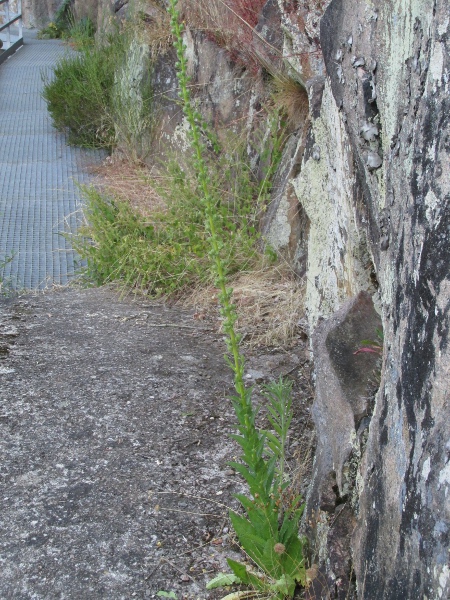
80 33
169 250
79 95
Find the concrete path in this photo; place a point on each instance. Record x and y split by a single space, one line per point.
38 195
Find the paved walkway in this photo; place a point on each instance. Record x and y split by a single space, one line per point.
39 198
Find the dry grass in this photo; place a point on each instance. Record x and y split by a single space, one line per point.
291 98
157 31
229 23
269 300
130 183
269 304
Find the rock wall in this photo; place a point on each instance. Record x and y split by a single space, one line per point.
374 183
38 13
401 540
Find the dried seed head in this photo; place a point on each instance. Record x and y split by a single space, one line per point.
312 573
279 548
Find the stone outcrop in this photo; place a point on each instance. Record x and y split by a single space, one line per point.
345 377
38 13
401 538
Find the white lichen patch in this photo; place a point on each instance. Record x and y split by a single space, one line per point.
399 19
325 189
181 135
442 28
442 576
444 477
437 64
432 208
322 531
190 53
280 228
426 468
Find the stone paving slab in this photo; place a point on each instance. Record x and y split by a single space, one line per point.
39 198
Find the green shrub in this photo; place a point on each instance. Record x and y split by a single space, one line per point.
51 32
80 34
79 95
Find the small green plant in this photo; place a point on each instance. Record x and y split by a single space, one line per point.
51 32
163 594
79 33
268 533
6 286
268 530
374 346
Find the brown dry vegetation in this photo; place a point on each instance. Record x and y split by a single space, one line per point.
229 23
157 32
269 303
129 182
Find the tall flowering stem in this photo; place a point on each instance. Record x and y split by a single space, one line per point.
268 533
194 119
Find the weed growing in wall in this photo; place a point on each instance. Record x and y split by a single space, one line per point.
268 530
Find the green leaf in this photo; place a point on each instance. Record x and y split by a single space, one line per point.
238 569
250 541
285 585
223 579
238 595
245 576
167 594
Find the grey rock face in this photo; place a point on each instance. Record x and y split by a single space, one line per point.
341 409
377 202
38 13
401 540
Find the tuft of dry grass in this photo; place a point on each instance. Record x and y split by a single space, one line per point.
157 31
291 98
269 303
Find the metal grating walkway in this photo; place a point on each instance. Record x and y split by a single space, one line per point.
39 198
